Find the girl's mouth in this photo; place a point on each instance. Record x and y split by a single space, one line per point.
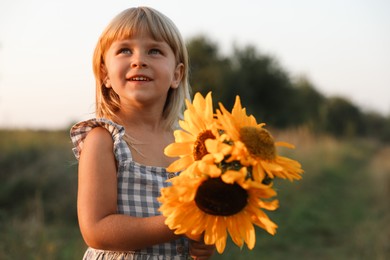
139 78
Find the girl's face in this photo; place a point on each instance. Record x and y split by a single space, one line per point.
141 70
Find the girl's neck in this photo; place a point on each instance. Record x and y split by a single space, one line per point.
147 136
142 120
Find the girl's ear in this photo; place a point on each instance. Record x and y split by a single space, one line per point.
178 75
107 82
103 73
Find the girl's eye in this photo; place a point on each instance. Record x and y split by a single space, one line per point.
124 51
155 51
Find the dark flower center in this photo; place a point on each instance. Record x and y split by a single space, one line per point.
216 197
259 142
199 145
267 180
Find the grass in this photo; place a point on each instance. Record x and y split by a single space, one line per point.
37 196
339 210
336 211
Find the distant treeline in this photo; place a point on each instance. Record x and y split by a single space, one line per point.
272 96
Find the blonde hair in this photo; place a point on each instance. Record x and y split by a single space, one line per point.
126 25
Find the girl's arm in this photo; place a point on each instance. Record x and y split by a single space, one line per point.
201 251
101 226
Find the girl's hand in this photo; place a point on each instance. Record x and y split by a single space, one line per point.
200 251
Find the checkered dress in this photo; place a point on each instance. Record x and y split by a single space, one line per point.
138 189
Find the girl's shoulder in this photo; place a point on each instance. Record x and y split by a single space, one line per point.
79 132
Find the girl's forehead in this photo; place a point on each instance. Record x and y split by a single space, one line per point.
137 30
140 35
143 40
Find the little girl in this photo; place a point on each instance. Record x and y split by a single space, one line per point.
141 69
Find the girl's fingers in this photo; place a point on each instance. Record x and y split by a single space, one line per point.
201 251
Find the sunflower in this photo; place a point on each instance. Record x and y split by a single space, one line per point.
208 203
228 162
198 126
254 146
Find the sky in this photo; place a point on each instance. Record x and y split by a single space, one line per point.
46 46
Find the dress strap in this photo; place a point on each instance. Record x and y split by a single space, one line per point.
79 132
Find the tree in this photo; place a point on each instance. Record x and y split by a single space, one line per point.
377 126
308 103
268 92
342 118
263 85
207 68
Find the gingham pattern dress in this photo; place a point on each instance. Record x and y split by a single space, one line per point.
138 189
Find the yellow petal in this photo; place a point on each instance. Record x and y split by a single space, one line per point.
209 235
232 176
180 164
183 136
178 149
208 109
210 169
234 230
247 230
220 242
285 144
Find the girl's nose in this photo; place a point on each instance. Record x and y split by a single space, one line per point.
138 61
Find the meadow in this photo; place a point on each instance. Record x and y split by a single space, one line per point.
339 210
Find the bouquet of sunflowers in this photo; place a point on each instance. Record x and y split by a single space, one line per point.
228 162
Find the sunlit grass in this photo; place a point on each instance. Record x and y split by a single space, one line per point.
37 196
339 210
